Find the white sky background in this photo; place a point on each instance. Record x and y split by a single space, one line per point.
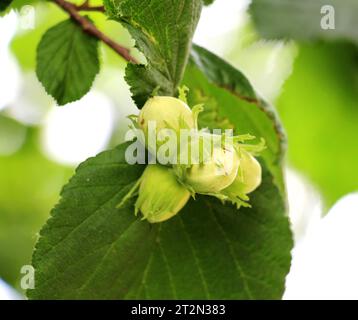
325 259
218 20
7 293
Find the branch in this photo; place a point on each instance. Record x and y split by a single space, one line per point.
91 29
86 7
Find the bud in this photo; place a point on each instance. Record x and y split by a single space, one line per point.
249 177
161 196
213 175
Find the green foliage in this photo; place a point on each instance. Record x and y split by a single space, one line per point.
107 253
67 62
49 15
323 86
230 101
211 251
93 246
89 248
29 187
46 17
93 249
208 2
163 32
300 20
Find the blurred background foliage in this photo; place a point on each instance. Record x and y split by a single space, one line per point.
313 84
319 109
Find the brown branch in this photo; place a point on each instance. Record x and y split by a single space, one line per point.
91 29
86 7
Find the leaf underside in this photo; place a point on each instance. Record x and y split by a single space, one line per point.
163 32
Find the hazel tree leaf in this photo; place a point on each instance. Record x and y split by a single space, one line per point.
209 250
231 102
163 32
67 62
91 249
93 246
213 251
306 19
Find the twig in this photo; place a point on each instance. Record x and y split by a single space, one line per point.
91 29
86 7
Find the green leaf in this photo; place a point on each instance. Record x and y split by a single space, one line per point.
211 251
163 32
249 249
67 62
231 102
93 249
89 248
301 20
208 2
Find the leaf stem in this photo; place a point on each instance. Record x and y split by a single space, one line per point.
91 29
